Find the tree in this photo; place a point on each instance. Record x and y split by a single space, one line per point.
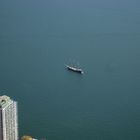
26 138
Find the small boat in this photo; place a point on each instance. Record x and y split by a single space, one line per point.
74 69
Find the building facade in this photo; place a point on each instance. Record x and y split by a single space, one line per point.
8 119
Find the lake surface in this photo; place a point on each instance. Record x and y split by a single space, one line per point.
37 39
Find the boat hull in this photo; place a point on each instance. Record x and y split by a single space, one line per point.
75 69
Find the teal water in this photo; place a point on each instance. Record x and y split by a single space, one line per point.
37 39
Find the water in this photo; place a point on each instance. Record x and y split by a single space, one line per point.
37 39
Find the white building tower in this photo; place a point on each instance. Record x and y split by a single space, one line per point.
8 119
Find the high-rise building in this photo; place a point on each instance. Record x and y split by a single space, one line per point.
8 119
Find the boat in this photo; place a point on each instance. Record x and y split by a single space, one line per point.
74 69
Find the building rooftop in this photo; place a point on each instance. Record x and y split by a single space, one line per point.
4 100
